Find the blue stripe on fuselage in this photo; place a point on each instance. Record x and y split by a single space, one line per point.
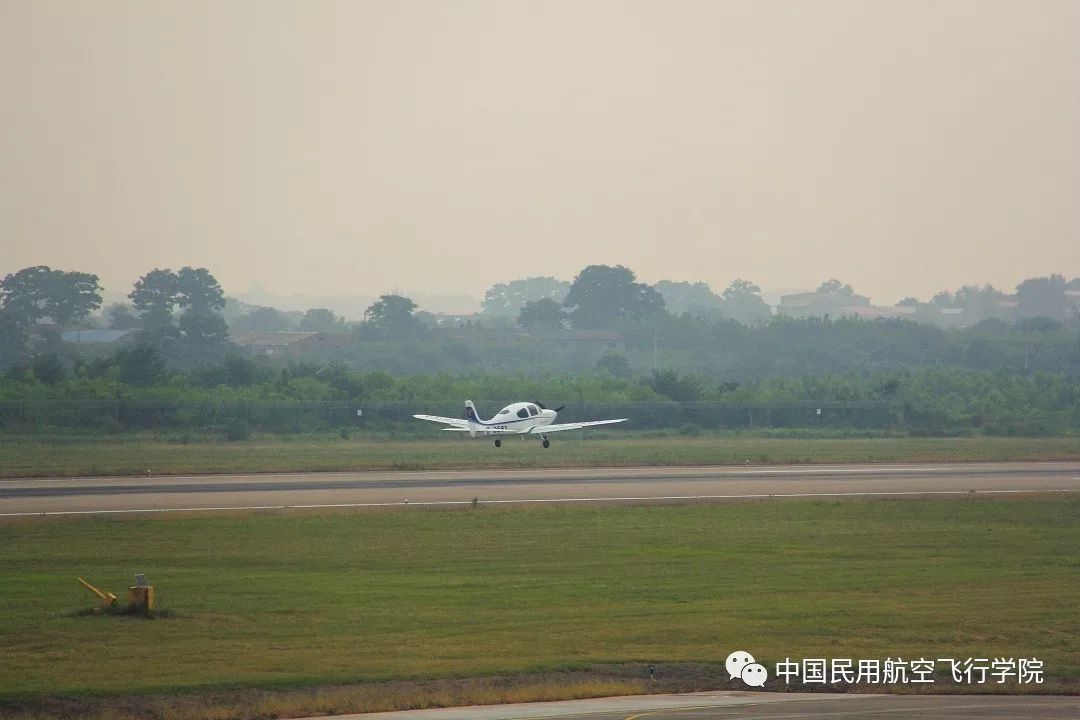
503 422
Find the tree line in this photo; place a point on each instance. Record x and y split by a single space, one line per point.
133 385
178 314
602 295
182 319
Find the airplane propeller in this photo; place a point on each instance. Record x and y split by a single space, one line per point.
544 407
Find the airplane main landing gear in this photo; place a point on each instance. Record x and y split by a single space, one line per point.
546 442
498 442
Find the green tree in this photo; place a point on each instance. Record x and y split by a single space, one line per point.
12 338
459 351
680 297
543 314
742 302
601 295
155 297
321 320
832 286
674 386
23 294
140 365
36 292
241 370
943 299
198 291
979 303
739 289
120 316
49 368
393 315
202 301
507 299
614 365
262 319
235 370
71 296
203 333
1043 297
22 305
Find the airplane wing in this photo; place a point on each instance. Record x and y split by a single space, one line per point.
458 423
463 425
541 429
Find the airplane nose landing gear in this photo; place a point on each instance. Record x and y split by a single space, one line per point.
498 442
546 442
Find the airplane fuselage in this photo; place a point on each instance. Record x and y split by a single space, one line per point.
519 417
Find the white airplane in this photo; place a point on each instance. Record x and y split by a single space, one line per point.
520 418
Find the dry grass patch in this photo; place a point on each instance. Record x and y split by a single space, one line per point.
32 457
333 700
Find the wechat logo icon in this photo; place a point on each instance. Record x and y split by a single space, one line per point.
740 664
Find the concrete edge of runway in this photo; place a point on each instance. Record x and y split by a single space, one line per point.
631 704
409 489
823 705
510 473
630 500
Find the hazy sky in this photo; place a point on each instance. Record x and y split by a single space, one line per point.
355 147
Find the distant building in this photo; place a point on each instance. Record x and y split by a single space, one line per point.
952 317
454 321
956 317
97 337
872 312
290 345
814 304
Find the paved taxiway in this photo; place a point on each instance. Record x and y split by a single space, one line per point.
637 485
785 706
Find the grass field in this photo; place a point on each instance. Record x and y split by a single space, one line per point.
304 600
29 456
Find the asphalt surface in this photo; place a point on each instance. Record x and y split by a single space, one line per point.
60 496
786 706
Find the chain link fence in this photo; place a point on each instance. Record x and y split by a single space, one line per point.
132 415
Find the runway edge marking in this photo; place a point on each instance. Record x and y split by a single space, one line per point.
527 501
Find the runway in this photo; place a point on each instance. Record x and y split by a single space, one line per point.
764 705
64 496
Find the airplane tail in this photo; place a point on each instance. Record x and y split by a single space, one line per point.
471 416
470 412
